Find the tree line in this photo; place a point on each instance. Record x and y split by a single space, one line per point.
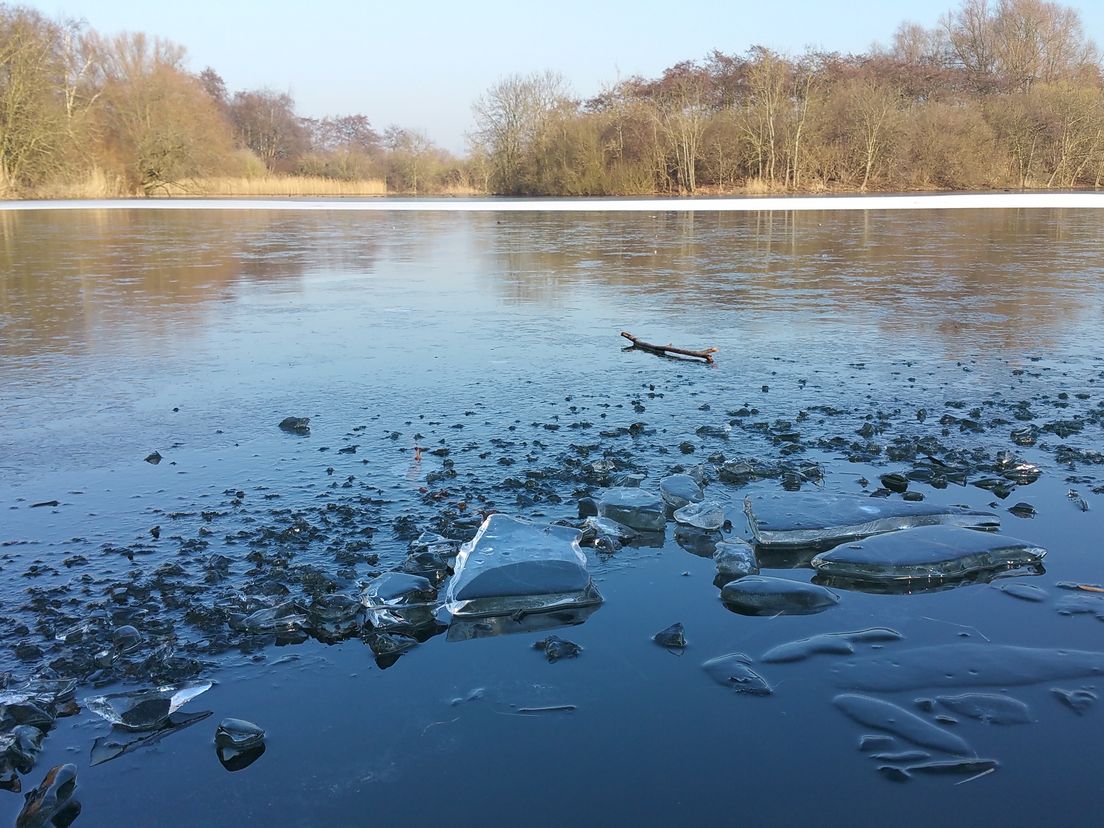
74 103
1004 94
997 95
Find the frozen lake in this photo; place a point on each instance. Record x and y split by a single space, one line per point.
852 344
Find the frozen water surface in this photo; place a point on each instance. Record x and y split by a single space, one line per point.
458 364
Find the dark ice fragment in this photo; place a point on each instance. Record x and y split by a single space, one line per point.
673 636
52 801
296 425
556 648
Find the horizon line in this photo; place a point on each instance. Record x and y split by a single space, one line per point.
674 204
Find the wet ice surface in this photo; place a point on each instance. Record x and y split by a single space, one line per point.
821 518
852 348
931 553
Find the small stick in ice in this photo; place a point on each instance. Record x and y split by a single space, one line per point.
664 350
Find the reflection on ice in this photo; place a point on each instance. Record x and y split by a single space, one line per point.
815 519
467 628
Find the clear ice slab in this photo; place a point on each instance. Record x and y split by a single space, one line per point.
812 519
678 490
709 514
926 553
635 508
735 559
145 709
513 565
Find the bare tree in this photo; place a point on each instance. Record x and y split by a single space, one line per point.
509 116
266 123
158 122
32 115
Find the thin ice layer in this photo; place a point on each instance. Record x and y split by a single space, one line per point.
965 665
891 718
926 552
511 557
814 518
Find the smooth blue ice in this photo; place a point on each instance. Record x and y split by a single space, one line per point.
635 508
926 552
511 557
801 519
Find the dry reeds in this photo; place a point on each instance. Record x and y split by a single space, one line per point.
279 185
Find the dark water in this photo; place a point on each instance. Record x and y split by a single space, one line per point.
495 336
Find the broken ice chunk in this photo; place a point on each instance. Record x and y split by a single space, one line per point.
145 709
806 519
511 561
841 643
678 490
733 671
238 734
555 648
993 708
635 508
1076 700
927 552
700 542
708 514
673 637
889 717
398 589
289 616
735 559
52 802
761 595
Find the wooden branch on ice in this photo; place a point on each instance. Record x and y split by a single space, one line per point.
664 350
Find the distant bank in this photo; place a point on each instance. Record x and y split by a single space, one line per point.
935 201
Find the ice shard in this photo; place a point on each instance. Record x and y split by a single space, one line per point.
926 553
145 709
709 514
815 519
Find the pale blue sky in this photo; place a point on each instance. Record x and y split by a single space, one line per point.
421 64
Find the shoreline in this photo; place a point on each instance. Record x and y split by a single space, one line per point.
751 204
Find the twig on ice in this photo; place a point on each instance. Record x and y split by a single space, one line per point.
664 350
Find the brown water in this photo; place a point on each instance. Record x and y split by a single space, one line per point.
496 336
